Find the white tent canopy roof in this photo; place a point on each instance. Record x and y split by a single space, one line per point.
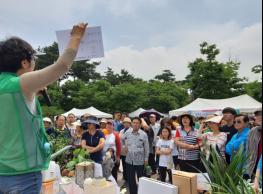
91 111
136 113
243 103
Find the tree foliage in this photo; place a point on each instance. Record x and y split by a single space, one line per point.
212 79
166 76
112 91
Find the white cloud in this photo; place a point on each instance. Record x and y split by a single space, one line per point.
243 44
130 7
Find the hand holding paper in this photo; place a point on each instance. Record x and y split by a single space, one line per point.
91 45
78 31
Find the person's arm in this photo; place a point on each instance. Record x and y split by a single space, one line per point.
223 141
32 82
118 146
158 151
184 145
98 147
84 146
235 144
146 148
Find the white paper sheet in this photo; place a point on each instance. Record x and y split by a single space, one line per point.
91 45
202 183
98 170
150 186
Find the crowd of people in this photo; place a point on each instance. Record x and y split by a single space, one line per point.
166 144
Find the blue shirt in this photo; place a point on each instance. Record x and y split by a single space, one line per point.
94 141
236 141
117 125
260 165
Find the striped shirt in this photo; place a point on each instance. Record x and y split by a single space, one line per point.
188 138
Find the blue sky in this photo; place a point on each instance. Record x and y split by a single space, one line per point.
146 36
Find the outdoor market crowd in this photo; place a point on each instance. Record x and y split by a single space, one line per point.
164 144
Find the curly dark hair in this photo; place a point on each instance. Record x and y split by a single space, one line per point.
12 52
190 118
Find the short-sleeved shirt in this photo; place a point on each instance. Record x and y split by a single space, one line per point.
164 145
94 141
191 139
175 149
230 131
216 140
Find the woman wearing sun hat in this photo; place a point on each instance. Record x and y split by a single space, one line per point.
93 139
187 141
214 139
127 126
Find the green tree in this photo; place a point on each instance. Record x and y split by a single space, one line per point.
111 77
254 89
210 78
70 94
86 71
166 76
257 69
126 77
50 55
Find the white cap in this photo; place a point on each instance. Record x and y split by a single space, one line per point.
77 123
103 120
46 119
218 113
216 119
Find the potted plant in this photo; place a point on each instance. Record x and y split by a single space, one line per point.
224 178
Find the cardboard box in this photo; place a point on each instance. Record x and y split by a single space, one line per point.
151 186
186 182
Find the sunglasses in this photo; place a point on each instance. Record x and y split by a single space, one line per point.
237 122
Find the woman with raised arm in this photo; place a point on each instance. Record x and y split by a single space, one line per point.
25 150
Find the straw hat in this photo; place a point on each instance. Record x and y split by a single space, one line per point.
216 119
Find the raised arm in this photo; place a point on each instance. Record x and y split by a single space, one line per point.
34 81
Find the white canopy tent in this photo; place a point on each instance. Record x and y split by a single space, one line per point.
91 111
203 107
136 113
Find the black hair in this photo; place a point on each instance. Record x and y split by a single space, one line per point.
229 110
188 116
258 113
72 114
147 120
57 117
12 52
169 131
245 117
137 118
174 118
201 118
163 122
